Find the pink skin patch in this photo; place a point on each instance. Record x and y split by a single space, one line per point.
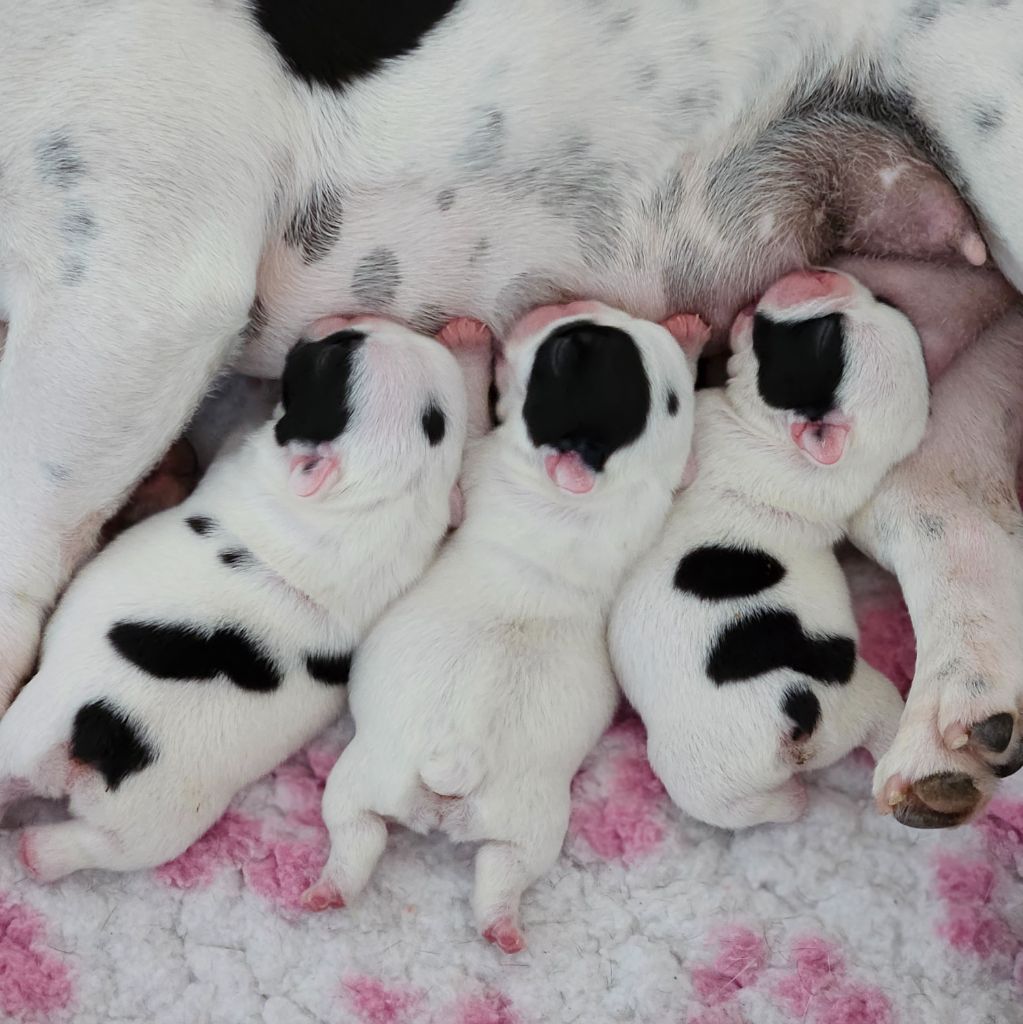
622 820
504 933
33 982
332 324
373 1002
742 955
489 1008
568 471
310 473
824 442
232 841
543 316
804 286
26 854
691 333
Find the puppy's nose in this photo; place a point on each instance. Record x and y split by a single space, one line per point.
804 286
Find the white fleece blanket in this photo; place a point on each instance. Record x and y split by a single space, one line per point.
842 918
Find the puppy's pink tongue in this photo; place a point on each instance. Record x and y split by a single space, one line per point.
569 472
823 442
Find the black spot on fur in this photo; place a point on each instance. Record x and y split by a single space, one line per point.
236 558
446 199
376 278
59 161
201 525
105 738
257 321
332 669
769 640
672 403
588 392
803 707
718 573
170 650
78 224
316 226
433 425
315 388
493 397
800 364
330 43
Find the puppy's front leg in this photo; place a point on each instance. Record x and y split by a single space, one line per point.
97 379
947 521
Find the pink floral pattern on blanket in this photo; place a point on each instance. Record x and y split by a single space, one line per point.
34 981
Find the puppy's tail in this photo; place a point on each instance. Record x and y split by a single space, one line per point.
453 770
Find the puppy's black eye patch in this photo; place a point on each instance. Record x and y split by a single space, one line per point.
434 425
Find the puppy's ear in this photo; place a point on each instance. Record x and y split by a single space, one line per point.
823 442
690 332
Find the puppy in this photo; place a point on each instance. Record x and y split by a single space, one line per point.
479 693
205 645
734 638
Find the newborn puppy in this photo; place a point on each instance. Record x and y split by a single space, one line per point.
734 638
205 645
478 694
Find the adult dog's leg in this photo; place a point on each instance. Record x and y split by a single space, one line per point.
947 521
98 376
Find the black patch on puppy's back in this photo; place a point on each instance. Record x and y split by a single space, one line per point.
187 651
767 640
588 392
716 572
334 42
332 669
800 364
104 737
316 388
202 526
804 709
434 425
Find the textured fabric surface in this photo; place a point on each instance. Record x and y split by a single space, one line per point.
842 918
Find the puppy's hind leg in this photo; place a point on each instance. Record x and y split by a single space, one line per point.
49 852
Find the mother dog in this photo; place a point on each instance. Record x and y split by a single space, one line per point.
185 184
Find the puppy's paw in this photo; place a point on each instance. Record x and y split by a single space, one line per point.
950 751
322 895
689 331
465 333
504 933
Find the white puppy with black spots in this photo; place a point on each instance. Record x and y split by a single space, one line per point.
204 646
478 694
734 638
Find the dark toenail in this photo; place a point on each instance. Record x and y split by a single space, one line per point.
1013 765
994 733
939 801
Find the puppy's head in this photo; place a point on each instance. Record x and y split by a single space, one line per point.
368 409
834 373
595 398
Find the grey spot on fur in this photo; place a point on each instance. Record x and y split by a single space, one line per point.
925 12
646 77
316 225
376 278
59 161
429 319
484 145
446 199
699 102
56 472
480 251
72 269
999 4
977 685
523 292
932 526
988 117
257 321
77 223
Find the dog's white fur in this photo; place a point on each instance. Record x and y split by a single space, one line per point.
152 156
318 571
478 695
727 752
